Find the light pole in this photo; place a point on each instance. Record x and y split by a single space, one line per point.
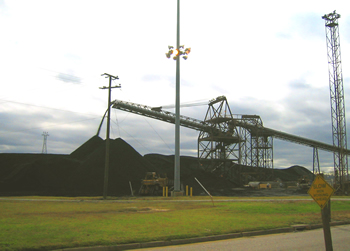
179 51
105 184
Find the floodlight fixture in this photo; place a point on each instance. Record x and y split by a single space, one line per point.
181 51
168 54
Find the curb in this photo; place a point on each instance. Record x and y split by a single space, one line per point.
121 247
270 231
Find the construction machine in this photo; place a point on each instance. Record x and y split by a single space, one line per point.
304 184
153 184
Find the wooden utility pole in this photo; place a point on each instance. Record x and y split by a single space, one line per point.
321 192
326 218
105 184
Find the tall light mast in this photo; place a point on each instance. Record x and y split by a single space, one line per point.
178 52
341 171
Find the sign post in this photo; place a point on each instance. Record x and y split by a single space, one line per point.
321 192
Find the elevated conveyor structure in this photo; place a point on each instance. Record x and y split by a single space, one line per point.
229 141
157 113
292 138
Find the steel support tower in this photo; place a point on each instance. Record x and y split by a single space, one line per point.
259 144
341 172
256 146
218 149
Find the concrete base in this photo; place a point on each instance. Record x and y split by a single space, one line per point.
177 193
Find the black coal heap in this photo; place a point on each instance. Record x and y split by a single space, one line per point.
82 171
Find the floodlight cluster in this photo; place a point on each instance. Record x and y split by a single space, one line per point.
175 53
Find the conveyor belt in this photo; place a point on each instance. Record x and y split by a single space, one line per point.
201 125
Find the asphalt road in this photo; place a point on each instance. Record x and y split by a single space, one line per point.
304 240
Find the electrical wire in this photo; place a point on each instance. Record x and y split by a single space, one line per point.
188 104
119 127
137 141
45 107
116 121
34 128
158 134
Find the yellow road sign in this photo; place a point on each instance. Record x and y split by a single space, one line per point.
321 191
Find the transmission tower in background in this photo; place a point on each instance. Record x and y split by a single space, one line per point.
337 100
44 150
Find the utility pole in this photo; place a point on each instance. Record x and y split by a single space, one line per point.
44 150
111 77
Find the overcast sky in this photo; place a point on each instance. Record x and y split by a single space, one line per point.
268 58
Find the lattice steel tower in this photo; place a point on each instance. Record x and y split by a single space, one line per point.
337 99
45 135
220 145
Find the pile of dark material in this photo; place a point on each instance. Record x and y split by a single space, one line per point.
82 171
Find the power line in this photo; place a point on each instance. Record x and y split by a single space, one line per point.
135 139
186 104
158 135
45 107
34 128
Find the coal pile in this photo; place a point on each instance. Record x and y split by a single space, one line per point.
126 165
293 173
22 174
82 171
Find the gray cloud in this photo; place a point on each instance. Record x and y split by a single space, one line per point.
21 132
307 103
67 78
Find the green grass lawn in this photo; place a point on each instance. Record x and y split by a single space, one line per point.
56 224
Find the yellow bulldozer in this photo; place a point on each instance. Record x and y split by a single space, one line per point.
304 184
153 184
